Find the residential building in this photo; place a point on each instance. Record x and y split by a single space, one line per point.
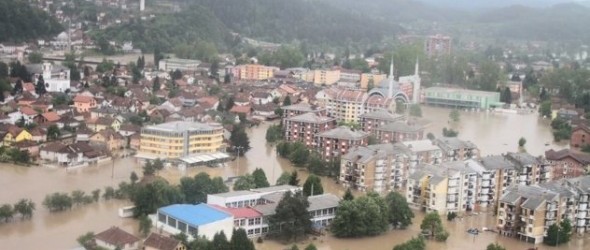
178 139
161 242
200 220
437 45
13 134
102 123
455 149
84 103
580 186
502 174
372 120
302 108
379 168
350 75
109 138
75 154
184 65
399 131
325 76
338 141
529 169
461 98
450 187
421 151
580 136
116 238
305 127
567 163
343 104
368 79
255 72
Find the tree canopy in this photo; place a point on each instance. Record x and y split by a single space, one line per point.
364 216
15 28
291 217
400 214
313 186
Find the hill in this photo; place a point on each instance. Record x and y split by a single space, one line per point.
21 22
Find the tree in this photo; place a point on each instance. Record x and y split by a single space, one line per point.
239 240
400 214
245 182
545 109
294 247
274 133
291 216
18 87
287 101
311 246
157 56
299 153
412 244
149 197
348 195
294 181
507 95
260 180
196 189
284 179
415 110
495 246
455 116
220 241
521 142
214 69
133 177
430 136
86 240
145 225
35 57
558 233
25 208
40 86
239 139
177 74
96 195
449 132
57 202
227 78
4 73
313 186
364 216
105 66
53 132
433 225
77 197
156 84
6 212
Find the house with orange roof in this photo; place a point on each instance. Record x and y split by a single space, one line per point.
28 114
84 103
110 138
47 118
29 87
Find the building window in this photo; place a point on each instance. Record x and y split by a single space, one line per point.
172 222
162 218
250 222
250 231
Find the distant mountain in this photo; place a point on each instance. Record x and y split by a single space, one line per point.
21 22
489 4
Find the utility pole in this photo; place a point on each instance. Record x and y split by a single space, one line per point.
238 159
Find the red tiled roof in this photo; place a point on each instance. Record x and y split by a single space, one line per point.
84 99
240 109
161 242
51 116
116 236
28 111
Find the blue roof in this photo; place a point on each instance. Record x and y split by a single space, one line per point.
195 215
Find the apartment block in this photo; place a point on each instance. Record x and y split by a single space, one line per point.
502 174
305 127
455 149
379 168
529 169
174 140
325 77
348 105
301 108
338 141
399 131
421 151
254 72
372 120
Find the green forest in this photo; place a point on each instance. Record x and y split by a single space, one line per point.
20 22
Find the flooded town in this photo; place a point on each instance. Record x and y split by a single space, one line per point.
200 125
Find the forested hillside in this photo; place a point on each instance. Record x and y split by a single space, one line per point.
20 22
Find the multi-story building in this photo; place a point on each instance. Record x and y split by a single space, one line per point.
372 120
567 163
450 187
379 168
502 173
437 45
255 72
529 169
174 140
580 136
301 108
252 208
368 79
325 77
399 131
305 127
338 141
461 98
421 151
343 104
455 149
581 187
350 75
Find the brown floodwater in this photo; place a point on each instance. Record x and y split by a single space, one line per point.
493 133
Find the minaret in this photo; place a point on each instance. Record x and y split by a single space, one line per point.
141 5
417 80
391 79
